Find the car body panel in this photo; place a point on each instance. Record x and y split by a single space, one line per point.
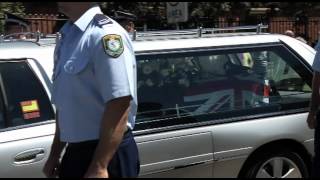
174 153
235 141
218 150
301 48
16 141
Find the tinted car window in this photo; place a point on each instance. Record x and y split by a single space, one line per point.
2 119
186 87
27 101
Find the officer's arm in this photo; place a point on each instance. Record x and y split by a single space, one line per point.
52 163
314 104
112 78
57 145
112 129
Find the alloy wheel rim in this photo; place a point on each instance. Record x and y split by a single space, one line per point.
279 167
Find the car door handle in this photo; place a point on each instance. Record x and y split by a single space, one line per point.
29 156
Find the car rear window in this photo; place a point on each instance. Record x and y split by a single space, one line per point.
211 85
25 100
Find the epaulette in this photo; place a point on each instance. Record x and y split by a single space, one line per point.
102 19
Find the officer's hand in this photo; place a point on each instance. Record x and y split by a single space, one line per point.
312 120
51 167
97 173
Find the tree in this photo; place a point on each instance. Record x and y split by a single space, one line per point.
202 13
16 8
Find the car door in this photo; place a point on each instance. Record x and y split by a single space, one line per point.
184 95
254 95
278 113
26 122
176 154
167 148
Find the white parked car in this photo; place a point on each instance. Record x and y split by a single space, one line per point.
210 105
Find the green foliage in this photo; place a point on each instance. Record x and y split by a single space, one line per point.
154 13
209 9
16 8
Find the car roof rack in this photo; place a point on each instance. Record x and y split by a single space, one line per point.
36 37
13 37
142 35
197 32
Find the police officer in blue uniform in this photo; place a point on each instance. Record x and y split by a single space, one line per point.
94 91
314 114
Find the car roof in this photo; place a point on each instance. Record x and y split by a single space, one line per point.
149 44
18 50
23 49
44 49
156 43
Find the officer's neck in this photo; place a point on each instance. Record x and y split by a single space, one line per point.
76 14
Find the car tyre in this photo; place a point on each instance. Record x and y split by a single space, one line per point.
284 164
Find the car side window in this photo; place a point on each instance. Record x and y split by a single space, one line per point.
2 119
27 101
286 79
187 87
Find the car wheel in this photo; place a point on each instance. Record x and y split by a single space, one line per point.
285 164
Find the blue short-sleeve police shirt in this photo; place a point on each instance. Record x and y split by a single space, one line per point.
316 62
94 63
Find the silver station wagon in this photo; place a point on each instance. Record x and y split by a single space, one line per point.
212 103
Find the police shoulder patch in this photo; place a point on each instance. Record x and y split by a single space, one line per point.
113 45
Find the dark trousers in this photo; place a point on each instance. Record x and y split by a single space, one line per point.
78 156
316 159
